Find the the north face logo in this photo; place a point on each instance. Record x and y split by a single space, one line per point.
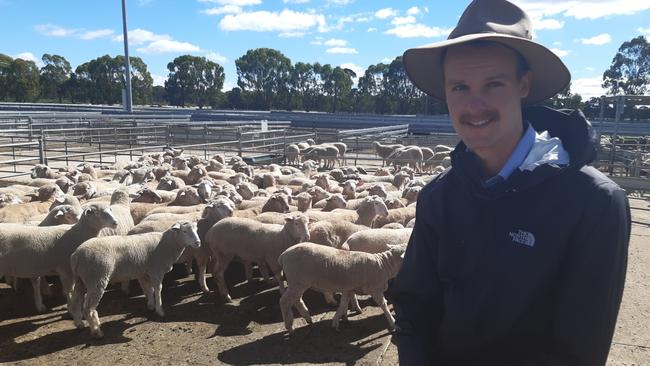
523 237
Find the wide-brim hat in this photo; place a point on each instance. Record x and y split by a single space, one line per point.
497 21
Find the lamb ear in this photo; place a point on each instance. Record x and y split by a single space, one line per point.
176 226
89 211
58 214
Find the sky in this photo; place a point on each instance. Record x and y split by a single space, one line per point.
350 33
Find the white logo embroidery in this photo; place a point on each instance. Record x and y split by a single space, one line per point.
523 237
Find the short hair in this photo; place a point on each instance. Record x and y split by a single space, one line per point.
522 64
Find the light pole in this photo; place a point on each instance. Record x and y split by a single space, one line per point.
127 72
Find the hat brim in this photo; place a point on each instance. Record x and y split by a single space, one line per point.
424 65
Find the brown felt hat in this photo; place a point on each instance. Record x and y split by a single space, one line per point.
497 21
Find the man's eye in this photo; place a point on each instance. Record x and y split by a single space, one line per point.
494 84
459 88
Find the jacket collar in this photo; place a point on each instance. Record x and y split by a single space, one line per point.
572 128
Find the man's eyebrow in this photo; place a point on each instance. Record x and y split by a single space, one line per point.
489 78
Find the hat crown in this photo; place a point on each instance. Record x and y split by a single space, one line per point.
493 16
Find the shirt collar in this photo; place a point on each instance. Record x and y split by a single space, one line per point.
517 157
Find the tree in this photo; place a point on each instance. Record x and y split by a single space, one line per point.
141 80
194 80
54 74
158 95
402 93
629 72
100 80
304 86
5 62
22 80
565 100
265 72
371 89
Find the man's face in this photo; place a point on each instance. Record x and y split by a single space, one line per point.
484 97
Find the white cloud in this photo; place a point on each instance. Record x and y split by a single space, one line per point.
403 20
589 68
559 52
226 9
413 11
158 80
386 60
588 87
598 40
52 30
336 42
357 70
340 2
100 33
550 24
295 1
363 20
292 34
169 46
644 31
342 50
28 56
233 2
265 21
583 9
417 31
372 29
216 57
385 13
140 36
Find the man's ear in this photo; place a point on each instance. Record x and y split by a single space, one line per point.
525 83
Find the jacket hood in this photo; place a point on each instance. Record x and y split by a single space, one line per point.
571 127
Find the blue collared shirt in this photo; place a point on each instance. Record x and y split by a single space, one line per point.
516 158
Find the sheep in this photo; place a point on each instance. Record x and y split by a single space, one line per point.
44 171
22 212
410 194
327 153
333 232
121 208
64 183
292 153
142 175
214 211
84 190
31 252
87 168
187 196
384 151
149 195
66 199
252 241
309 265
246 190
350 189
371 207
304 201
275 203
145 257
170 183
334 201
393 226
62 215
377 240
12 199
411 155
401 215
393 203
426 153
160 222
214 166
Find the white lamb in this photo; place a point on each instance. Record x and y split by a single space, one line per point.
145 257
376 240
252 241
327 269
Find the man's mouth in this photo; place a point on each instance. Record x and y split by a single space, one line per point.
479 123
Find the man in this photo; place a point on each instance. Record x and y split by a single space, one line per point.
519 250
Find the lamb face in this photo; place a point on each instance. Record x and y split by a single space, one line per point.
205 190
146 195
298 228
378 205
102 215
185 234
67 214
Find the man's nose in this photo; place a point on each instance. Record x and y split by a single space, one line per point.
475 104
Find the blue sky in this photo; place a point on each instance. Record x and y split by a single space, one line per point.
351 33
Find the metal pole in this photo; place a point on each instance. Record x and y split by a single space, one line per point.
127 64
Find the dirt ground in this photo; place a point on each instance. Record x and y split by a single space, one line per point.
198 329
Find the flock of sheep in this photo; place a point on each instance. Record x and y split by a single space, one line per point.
337 230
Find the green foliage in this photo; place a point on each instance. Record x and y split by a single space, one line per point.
5 62
23 80
53 76
629 72
263 72
194 80
565 100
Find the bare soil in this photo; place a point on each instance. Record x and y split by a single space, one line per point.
200 329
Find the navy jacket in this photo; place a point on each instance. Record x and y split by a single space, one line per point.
527 272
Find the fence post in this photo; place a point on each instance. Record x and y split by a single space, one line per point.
29 123
42 159
66 152
239 147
